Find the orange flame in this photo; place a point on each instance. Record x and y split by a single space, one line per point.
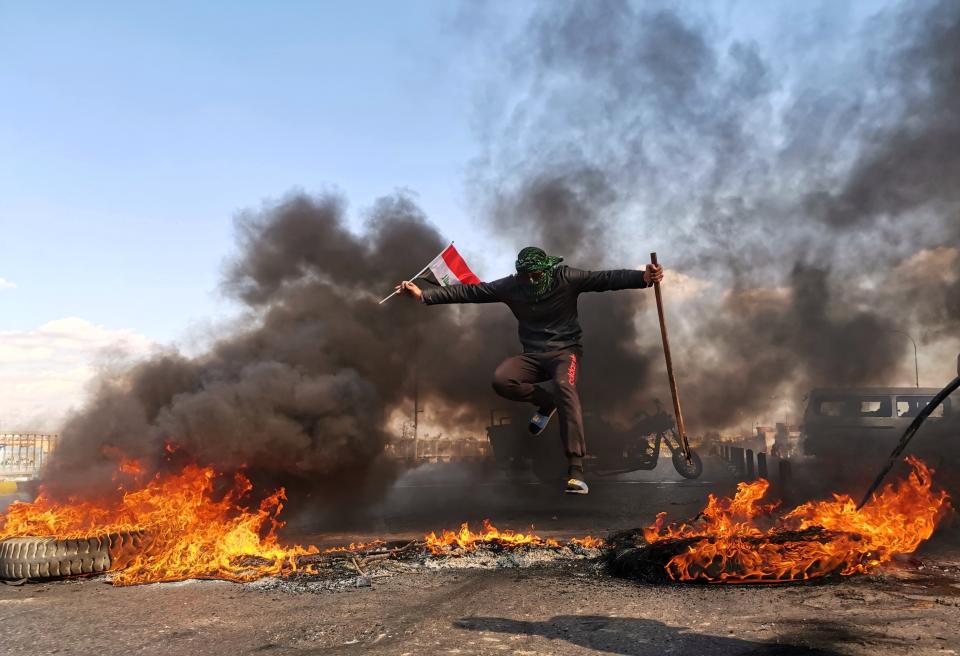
588 542
189 531
356 546
727 544
466 540
131 467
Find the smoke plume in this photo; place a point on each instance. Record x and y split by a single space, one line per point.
300 396
807 187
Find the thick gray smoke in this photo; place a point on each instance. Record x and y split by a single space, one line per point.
301 396
806 189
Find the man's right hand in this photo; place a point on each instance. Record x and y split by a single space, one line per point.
410 289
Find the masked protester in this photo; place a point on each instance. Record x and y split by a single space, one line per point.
543 297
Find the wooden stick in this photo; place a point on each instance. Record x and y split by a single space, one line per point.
357 567
666 355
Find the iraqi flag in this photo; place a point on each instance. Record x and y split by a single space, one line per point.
449 269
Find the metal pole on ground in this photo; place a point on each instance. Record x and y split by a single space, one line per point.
912 429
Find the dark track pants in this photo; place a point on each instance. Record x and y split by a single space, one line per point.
515 377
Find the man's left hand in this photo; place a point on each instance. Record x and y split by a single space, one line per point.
654 273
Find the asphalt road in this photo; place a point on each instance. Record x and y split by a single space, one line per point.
434 497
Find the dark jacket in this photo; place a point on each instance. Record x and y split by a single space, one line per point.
547 324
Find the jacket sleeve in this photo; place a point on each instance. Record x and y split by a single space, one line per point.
606 281
484 292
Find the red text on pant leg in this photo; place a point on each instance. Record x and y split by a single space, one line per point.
572 370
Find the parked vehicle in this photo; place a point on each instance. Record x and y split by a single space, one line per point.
612 450
869 421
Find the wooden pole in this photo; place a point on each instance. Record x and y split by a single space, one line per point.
669 360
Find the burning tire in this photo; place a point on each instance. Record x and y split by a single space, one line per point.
50 558
691 469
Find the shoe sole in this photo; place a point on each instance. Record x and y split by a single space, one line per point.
545 424
576 491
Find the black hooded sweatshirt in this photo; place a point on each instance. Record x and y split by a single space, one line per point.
549 323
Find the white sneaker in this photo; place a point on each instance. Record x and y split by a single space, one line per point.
576 486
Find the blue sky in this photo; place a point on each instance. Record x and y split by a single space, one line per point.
132 133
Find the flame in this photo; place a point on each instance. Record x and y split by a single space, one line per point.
185 529
357 546
131 467
188 530
466 540
738 539
588 542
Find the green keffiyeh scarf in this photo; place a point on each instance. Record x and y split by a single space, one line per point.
532 259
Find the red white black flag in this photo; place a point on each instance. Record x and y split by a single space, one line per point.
449 269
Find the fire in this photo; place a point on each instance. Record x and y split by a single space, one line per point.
189 531
357 546
466 540
588 542
739 540
186 529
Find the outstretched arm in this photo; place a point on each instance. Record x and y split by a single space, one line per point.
605 281
480 293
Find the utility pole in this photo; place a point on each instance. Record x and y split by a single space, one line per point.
416 396
916 365
416 416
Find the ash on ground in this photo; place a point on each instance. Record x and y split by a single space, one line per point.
346 571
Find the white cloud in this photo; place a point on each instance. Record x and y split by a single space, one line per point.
6 284
44 372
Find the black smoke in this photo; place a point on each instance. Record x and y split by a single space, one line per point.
795 179
301 395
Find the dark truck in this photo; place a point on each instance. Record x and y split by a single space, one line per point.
866 423
612 450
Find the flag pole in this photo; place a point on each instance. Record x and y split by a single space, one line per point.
417 275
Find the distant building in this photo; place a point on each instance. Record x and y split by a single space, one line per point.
438 449
23 455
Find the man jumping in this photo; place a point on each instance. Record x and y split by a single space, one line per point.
543 298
